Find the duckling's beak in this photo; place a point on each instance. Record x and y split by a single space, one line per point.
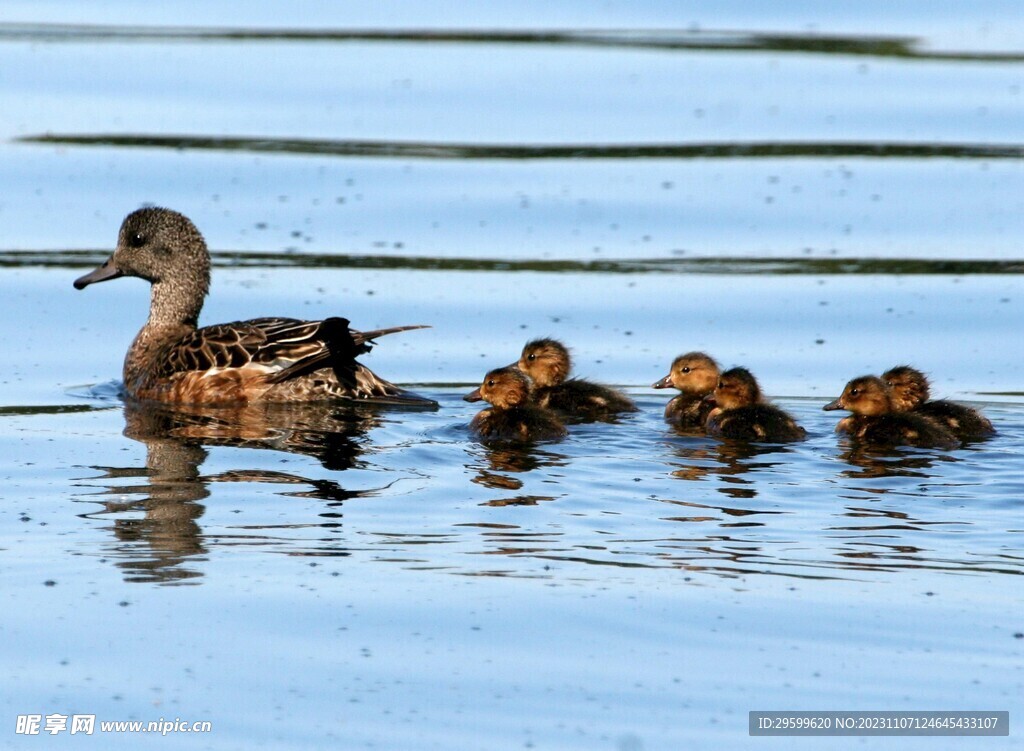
664 383
473 396
834 404
101 274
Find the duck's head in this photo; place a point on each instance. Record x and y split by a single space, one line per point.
158 245
909 387
867 395
504 388
692 373
545 361
736 388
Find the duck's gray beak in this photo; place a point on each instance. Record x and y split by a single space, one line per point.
664 383
834 404
101 274
473 396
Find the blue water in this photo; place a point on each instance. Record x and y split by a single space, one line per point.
320 577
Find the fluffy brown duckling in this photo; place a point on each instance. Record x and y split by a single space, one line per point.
740 412
910 392
695 374
876 421
511 416
548 364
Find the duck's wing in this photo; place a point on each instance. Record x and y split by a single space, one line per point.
337 347
282 348
267 344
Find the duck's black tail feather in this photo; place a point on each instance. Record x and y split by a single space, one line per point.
342 345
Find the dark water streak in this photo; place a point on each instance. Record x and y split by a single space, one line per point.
530 152
684 40
718 265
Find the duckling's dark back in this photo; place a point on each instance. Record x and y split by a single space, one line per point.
522 423
900 429
583 400
688 410
756 422
963 422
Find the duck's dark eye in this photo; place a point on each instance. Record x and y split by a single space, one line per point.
686 369
136 240
531 357
490 382
854 392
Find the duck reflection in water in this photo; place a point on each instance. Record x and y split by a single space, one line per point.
879 461
497 467
728 460
168 541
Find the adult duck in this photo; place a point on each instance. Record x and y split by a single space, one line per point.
172 360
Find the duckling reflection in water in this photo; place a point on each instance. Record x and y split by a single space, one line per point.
910 392
548 364
740 412
876 421
695 374
512 416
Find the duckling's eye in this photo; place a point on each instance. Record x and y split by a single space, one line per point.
136 240
686 369
531 357
490 382
854 392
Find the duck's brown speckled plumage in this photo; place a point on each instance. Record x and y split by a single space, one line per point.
875 421
263 359
741 413
695 374
512 416
911 393
547 363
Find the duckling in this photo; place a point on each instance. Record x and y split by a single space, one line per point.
695 374
875 419
511 416
547 363
740 412
910 392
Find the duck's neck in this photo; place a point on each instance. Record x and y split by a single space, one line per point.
173 313
176 302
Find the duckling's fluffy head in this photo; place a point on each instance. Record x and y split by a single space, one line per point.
737 388
692 373
503 388
909 387
546 362
866 395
